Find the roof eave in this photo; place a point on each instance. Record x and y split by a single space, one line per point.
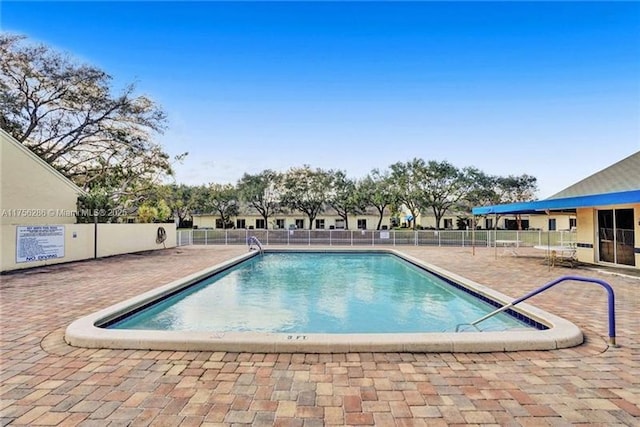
564 204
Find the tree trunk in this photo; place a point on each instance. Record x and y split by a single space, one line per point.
414 220
438 216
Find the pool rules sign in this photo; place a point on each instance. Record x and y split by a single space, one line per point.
39 242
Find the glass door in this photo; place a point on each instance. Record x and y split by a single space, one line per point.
616 238
624 237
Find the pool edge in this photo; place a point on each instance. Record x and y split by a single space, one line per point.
84 333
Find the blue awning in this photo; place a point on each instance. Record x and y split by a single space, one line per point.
565 204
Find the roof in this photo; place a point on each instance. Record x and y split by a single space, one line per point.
621 176
615 185
566 204
6 137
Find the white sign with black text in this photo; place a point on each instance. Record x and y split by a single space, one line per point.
39 242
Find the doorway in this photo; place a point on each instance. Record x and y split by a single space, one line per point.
616 237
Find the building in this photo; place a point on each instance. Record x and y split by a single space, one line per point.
38 217
249 218
37 203
557 221
606 206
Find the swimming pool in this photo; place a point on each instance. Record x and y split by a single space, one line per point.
320 292
374 300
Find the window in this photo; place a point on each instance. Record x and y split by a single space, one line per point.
319 224
340 224
279 223
219 223
362 224
448 223
300 223
488 223
260 223
512 224
240 223
552 224
573 223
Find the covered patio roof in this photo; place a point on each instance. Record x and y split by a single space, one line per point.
566 204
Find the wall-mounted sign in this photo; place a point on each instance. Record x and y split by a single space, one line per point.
39 242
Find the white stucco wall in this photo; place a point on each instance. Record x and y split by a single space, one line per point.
33 194
31 191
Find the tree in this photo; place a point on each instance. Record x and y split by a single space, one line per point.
96 205
481 191
442 186
67 114
408 181
514 189
306 190
164 211
223 200
344 198
147 213
261 191
378 191
180 199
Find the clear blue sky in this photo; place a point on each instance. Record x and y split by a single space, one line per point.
548 89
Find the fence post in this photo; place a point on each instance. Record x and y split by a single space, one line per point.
351 237
329 237
309 238
373 238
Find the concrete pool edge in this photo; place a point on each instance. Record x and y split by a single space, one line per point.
84 332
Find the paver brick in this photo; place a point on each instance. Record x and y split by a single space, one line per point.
44 381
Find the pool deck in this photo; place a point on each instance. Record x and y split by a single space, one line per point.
43 381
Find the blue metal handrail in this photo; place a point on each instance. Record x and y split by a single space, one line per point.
612 309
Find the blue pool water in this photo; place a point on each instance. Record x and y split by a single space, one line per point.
319 293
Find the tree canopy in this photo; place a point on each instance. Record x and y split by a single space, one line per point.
261 191
221 199
306 190
377 190
69 114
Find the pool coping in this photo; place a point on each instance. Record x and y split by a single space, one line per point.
83 332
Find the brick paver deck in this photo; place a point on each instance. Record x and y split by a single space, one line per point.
45 382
